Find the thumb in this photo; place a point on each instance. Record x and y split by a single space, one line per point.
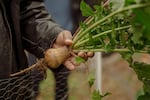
68 42
67 38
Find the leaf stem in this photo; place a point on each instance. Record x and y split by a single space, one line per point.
100 34
79 30
107 17
103 50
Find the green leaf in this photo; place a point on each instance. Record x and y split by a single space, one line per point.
117 4
144 97
140 92
98 12
91 82
106 94
83 25
127 56
144 1
143 72
96 95
128 2
142 22
79 59
86 9
137 37
98 8
107 48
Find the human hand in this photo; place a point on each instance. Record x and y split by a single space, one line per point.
64 39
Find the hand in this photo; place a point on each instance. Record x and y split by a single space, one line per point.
65 39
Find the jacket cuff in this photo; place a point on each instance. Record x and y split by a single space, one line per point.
49 39
44 42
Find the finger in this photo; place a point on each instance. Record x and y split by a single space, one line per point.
56 46
68 42
67 36
69 65
85 57
59 41
90 54
73 61
64 38
81 54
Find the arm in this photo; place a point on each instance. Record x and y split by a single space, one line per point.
38 29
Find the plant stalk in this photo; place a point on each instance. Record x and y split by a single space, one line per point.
107 17
79 30
100 34
103 50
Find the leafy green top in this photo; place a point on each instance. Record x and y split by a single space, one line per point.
122 27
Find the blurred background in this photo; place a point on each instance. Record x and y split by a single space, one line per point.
117 78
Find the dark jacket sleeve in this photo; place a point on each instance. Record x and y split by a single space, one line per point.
37 27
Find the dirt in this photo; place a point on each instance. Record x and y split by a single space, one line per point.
119 79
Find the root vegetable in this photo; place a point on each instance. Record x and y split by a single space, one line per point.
90 54
55 57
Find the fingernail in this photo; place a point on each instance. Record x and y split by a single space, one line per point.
68 42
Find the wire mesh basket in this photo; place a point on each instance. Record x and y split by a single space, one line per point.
24 85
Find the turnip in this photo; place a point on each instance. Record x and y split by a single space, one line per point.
55 57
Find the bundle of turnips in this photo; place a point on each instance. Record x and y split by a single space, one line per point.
121 26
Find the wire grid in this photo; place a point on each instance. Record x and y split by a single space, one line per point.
26 86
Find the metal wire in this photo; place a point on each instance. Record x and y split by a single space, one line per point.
23 87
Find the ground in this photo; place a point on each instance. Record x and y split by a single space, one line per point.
117 78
